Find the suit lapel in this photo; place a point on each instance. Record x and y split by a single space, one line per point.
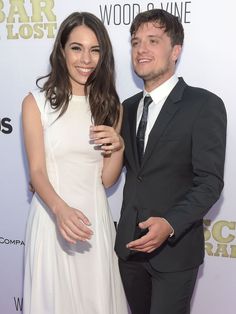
131 147
167 113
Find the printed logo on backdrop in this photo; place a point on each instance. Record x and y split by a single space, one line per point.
27 19
15 242
17 301
123 14
5 126
18 304
220 238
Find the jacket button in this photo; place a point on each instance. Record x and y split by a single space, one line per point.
140 179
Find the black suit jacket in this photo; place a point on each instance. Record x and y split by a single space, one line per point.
181 175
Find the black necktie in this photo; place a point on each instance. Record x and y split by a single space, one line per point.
142 128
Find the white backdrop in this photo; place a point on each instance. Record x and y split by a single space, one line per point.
27 31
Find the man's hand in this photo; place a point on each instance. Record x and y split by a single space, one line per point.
158 231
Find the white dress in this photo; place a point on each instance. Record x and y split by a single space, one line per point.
61 278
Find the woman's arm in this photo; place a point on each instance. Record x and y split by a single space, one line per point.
71 222
112 145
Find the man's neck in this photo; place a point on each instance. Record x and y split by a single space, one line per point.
153 84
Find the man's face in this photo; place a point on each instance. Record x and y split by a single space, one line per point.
153 56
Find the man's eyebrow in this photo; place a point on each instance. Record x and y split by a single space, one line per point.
149 36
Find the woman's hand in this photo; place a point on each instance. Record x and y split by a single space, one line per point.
73 224
107 138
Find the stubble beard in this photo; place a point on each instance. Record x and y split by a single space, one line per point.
154 78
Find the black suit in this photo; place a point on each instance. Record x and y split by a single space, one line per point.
181 175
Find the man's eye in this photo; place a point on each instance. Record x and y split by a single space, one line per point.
154 41
134 43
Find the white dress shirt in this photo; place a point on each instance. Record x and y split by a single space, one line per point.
159 96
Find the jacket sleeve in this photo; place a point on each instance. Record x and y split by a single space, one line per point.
208 155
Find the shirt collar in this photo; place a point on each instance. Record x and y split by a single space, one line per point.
163 90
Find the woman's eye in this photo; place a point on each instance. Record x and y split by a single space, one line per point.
96 50
75 48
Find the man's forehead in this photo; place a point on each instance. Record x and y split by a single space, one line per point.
154 26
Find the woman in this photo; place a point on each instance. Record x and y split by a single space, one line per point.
71 132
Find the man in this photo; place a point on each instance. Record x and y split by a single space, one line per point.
174 156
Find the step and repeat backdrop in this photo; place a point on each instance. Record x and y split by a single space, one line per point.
27 32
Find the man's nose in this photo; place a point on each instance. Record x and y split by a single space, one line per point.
142 47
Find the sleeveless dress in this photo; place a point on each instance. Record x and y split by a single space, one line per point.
61 278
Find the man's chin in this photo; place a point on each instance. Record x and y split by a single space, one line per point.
143 75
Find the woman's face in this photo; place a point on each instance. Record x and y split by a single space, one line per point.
81 54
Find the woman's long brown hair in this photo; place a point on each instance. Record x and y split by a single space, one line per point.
100 86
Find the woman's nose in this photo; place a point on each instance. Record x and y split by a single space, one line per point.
86 57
